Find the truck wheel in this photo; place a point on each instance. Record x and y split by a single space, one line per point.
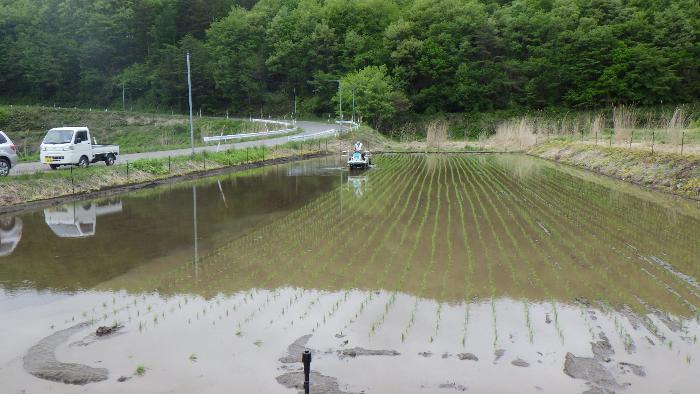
109 160
83 162
7 224
4 167
53 166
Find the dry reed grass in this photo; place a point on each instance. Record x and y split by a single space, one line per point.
597 125
515 134
437 133
676 125
624 122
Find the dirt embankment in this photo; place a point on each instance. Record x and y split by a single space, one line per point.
667 172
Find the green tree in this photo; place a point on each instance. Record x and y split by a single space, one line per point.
376 97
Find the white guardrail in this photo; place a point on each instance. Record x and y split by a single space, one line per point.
219 138
303 137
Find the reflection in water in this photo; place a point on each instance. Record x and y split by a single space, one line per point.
359 184
10 235
78 219
441 257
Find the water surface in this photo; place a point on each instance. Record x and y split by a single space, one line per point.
432 256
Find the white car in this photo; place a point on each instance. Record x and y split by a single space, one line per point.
8 154
10 235
73 146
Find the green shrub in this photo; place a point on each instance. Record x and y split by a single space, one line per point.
4 117
151 166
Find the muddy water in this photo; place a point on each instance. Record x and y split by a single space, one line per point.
481 272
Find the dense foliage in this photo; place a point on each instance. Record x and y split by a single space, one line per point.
400 55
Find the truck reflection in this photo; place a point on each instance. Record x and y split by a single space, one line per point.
79 219
10 235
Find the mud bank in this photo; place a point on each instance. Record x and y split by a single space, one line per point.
98 190
667 172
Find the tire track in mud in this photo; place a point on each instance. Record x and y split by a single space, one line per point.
40 361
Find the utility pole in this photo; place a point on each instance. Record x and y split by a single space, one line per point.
340 91
353 104
189 85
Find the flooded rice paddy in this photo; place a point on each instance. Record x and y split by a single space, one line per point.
425 274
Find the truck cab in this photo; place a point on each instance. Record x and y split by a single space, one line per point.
74 146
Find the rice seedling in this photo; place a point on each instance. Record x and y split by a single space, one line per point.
140 370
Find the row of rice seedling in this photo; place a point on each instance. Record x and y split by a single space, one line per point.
479 181
433 247
603 275
469 272
418 235
292 261
396 220
466 168
245 244
378 321
393 188
553 249
450 252
377 227
552 221
287 233
487 259
598 203
618 247
386 192
596 199
248 293
493 180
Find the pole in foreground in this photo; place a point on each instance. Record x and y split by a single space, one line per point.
189 86
306 359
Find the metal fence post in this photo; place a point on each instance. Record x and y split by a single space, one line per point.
169 166
631 136
127 171
653 134
72 180
682 142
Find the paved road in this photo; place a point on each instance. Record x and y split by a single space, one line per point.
307 128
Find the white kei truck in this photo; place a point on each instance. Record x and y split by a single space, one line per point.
65 146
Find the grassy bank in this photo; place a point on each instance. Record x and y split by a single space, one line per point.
133 132
668 172
47 185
